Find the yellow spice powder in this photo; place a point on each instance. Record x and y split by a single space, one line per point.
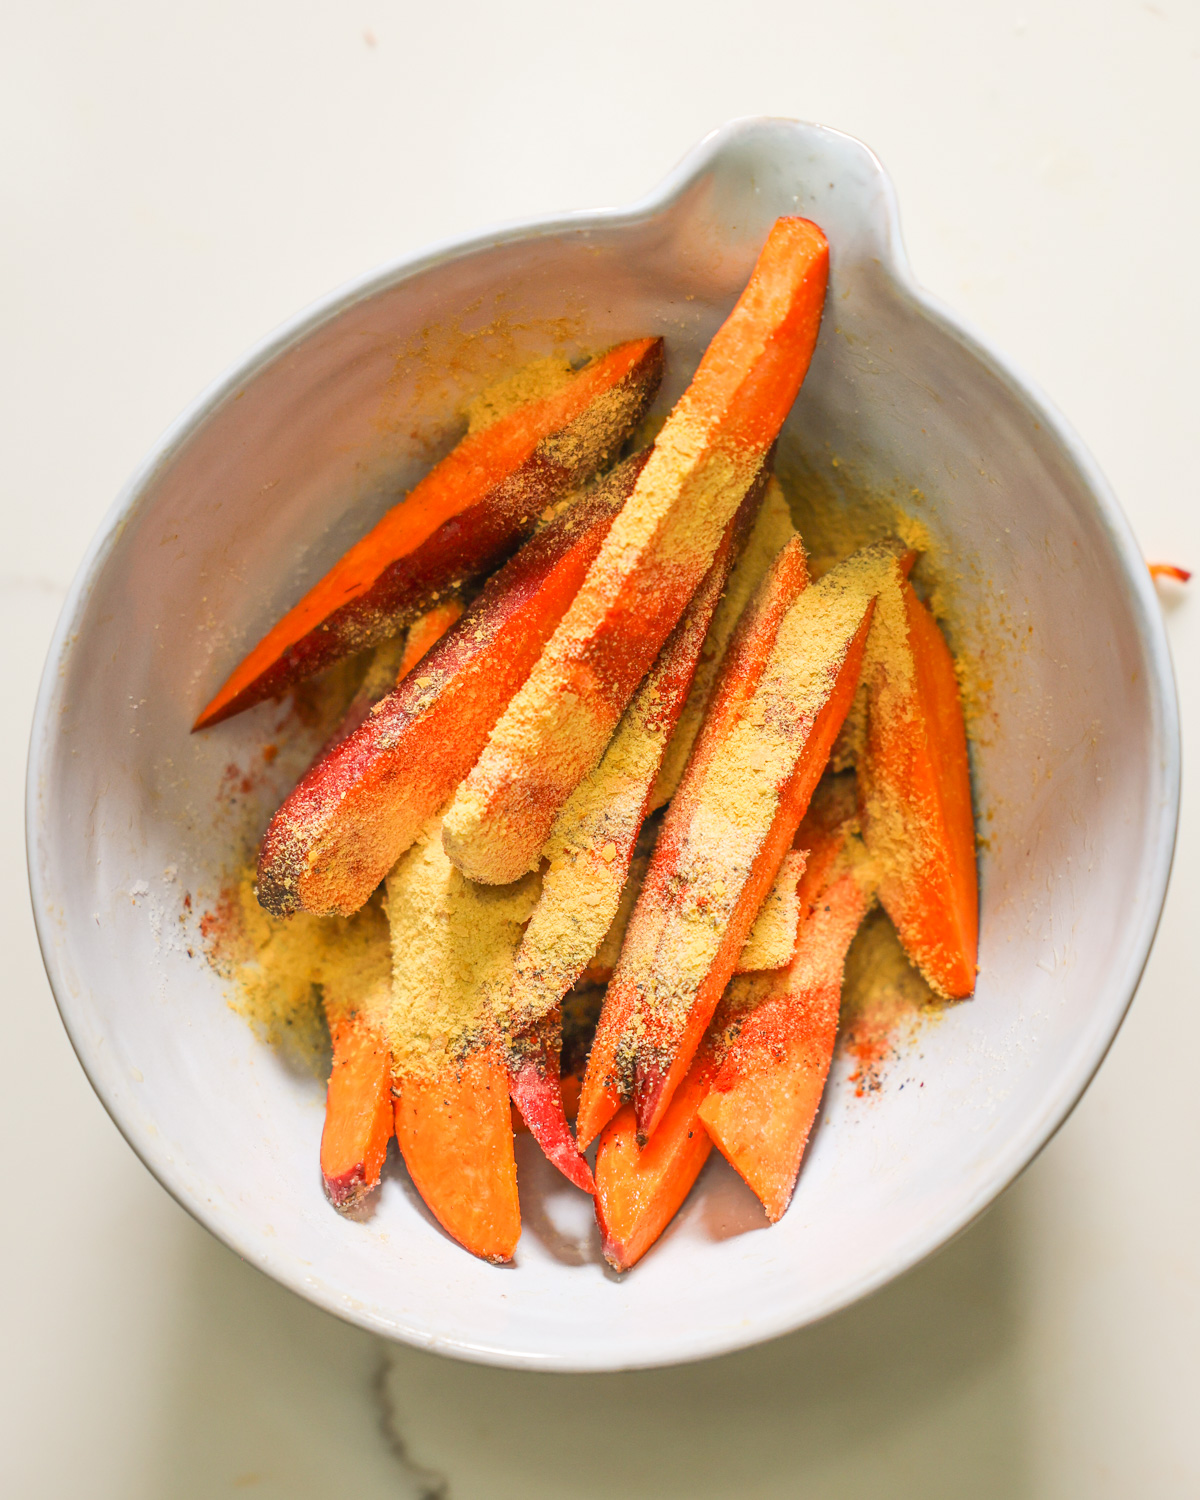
771 532
452 954
772 940
884 1000
838 513
532 382
604 961
838 510
280 972
383 667
747 991
879 978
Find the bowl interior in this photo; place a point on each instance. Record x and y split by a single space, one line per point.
295 455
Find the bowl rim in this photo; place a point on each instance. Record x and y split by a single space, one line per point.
1022 1147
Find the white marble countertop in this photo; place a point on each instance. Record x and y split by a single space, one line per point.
175 181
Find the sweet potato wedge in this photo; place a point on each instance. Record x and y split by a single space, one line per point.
352 816
772 940
609 1077
569 1088
603 962
462 519
780 1029
358 1112
772 532
915 791
705 459
354 969
454 1130
746 660
743 806
825 834
639 1189
763 1101
535 1086
451 948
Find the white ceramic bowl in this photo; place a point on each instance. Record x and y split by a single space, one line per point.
267 478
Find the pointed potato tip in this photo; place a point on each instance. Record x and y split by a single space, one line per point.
576 1170
207 717
348 1189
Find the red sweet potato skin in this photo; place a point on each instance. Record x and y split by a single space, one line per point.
535 1084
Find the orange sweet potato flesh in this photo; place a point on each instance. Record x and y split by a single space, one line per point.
608 1079
915 797
353 815
765 1094
461 520
824 835
358 1113
763 1102
609 1076
426 631
455 1133
639 1189
705 458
